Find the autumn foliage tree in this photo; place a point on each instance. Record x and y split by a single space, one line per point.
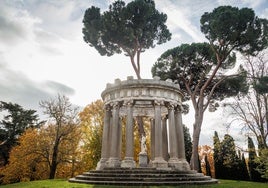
31 158
92 117
62 120
15 121
207 160
25 162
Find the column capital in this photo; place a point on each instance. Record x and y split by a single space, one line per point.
107 107
128 103
179 108
171 106
116 104
158 102
164 117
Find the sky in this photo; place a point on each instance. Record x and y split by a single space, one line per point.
42 52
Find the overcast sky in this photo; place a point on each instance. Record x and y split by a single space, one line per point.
42 52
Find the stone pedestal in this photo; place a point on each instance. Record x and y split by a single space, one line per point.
143 159
159 163
173 163
183 165
101 164
178 164
113 163
128 162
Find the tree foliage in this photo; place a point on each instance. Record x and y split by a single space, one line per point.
31 158
25 163
229 28
199 67
130 28
63 121
251 110
227 160
217 155
254 174
92 117
15 121
207 160
262 162
187 143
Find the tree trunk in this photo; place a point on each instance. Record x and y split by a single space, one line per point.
140 126
196 134
54 163
266 116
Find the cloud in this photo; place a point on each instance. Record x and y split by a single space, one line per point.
15 24
264 14
16 87
184 16
245 3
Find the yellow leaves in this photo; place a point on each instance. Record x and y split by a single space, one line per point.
92 114
91 124
30 160
206 150
24 161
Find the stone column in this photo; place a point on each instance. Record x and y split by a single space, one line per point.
152 140
183 164
129 158
165 138
173 160
119 139
158 162
114 159
105 139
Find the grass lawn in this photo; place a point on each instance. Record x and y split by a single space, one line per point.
65 184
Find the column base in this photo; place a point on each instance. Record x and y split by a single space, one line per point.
102 164
113 163
182 165
143 159
128 162
173 163
159 162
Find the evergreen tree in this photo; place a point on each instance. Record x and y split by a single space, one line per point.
198 67
229 158
187 143
244 169
131 28
217 156
252 165
14 124
262 161
208 170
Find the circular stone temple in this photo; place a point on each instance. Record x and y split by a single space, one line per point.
159 101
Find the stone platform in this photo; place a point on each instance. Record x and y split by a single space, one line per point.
142 177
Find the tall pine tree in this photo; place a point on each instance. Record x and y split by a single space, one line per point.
226 161
244 169
252 165
217 155
187 143
229 158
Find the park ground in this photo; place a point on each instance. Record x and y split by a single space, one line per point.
65 184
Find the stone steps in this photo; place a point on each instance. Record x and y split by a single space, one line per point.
140 177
